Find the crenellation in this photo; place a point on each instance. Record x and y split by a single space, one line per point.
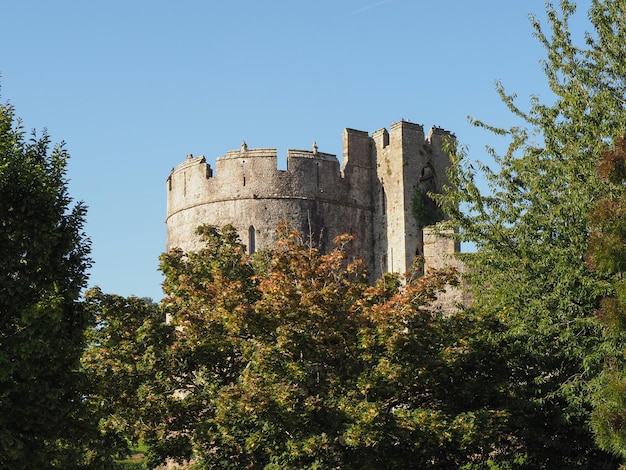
357 147
381 138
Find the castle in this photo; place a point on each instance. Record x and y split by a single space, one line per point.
377 194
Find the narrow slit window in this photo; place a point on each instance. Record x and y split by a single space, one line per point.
383 201
317 175
251 239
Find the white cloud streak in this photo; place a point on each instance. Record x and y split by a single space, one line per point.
369 7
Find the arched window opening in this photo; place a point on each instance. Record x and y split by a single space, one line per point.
428 185
425 209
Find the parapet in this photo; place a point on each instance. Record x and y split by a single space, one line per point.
436 133
306 157
252 173
407 125
357 149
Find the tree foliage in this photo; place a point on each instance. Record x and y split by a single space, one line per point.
531 229
607 255
122 360
43 262
291 360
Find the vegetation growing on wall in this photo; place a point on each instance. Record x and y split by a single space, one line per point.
425 213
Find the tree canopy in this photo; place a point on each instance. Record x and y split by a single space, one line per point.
44 255
289 359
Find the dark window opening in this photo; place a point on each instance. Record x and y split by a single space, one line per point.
383 201
317 174
251 239
428 185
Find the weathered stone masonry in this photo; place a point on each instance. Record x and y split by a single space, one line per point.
371 196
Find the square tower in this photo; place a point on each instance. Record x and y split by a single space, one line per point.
408 167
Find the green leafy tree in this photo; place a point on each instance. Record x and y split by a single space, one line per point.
289 359
529 278
124 355
43 262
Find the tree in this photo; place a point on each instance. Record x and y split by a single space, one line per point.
607 255
44 256
289 359
531 229
125 344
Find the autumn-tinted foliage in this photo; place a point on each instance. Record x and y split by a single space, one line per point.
607 255
291 360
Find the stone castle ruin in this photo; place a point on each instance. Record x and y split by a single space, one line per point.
374 194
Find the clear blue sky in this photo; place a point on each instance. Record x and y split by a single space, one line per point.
133 86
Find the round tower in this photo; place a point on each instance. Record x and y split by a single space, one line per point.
250 193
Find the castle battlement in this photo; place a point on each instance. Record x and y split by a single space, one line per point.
371 194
